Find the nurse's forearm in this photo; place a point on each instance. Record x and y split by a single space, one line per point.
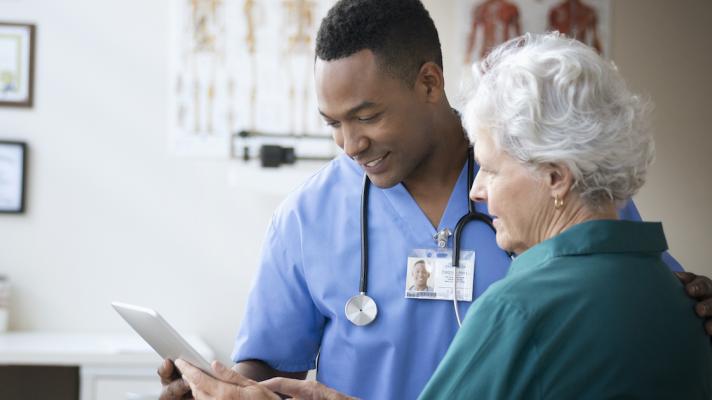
260 371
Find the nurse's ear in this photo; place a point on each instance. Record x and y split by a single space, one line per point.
430 83
558 179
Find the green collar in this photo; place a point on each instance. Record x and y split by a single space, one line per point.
600 236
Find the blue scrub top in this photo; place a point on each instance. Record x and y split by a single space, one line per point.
310 267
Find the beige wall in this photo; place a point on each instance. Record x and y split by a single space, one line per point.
663 49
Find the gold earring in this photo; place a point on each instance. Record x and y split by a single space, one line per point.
558 202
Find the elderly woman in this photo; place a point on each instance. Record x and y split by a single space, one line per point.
561 143
588 309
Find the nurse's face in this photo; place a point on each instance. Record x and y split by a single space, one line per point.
375 118
516 199
420 275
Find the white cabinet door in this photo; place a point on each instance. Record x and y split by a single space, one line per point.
122 383
106 388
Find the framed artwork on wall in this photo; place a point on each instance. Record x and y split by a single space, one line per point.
13 160
17 42
483 24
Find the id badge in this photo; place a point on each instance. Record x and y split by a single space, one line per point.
430 275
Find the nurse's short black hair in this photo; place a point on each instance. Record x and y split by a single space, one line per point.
400 33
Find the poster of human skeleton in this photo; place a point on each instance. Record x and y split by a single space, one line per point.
241 65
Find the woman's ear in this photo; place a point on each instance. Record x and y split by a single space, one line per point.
558 179
430 82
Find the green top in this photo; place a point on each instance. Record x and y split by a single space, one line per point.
592 313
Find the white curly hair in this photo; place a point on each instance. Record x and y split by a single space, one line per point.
548 99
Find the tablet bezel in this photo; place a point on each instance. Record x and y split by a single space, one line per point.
160 335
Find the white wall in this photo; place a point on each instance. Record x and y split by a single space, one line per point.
111 215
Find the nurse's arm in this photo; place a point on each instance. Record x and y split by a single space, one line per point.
259 371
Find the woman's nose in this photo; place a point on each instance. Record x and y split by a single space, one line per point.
478 192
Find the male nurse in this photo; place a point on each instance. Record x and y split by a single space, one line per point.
380 88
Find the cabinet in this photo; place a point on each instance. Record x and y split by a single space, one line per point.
109 367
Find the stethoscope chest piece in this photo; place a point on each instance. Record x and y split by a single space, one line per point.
361 310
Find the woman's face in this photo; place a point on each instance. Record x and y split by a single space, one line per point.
516 199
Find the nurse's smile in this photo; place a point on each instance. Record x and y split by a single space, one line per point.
377 165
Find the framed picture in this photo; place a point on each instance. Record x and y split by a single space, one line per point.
483 24
17 42
13 159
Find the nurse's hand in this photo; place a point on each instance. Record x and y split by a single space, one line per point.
699 288
174 387
304 390
227 384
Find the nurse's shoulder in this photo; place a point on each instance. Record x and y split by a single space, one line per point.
329 192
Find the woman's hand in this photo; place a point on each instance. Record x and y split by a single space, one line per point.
227 384
304 390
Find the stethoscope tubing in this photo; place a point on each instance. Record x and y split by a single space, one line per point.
356 306
363 281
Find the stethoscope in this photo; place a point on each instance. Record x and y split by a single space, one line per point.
361 309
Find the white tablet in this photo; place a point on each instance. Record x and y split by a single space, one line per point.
165 340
